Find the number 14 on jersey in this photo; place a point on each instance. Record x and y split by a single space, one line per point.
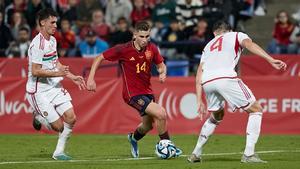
140 68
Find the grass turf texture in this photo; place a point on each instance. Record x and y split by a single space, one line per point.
113 151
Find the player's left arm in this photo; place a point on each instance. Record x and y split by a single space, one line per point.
255 49
78 80
162 70
160 65
200 104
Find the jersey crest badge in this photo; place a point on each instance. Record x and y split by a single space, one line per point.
45 113
141 102
148 55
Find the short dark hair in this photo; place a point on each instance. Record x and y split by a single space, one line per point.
45 13
142 26
221 25
122 19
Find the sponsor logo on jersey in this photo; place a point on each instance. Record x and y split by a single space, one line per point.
132 59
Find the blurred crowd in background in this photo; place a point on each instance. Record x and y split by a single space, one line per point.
181 28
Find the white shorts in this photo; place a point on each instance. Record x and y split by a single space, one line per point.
50 104
232 90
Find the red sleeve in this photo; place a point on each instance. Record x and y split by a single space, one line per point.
157 58
112 54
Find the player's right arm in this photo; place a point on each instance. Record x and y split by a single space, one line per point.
200 104
255 49
91 84
37 71
36 55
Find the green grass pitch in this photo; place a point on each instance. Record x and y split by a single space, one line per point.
112 152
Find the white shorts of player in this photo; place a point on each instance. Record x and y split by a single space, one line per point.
230 89
50 104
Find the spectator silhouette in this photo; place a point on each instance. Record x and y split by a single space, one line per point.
6 36
123 34
19 47
282 31
92 46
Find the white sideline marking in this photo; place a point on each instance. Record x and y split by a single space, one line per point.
142 158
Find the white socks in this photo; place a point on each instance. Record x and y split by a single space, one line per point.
207 129
62 139
253 130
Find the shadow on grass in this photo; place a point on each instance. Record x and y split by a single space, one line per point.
44 156
219 159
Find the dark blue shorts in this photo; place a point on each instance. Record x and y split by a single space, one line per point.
140 102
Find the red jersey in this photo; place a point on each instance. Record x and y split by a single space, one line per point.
135 66
282 33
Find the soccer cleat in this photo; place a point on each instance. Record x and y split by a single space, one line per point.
252 159
61 157
38 121
36 124
134 146
194 159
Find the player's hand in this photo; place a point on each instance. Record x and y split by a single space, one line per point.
63 70
278 64
162 77
202 110
91 85
80 82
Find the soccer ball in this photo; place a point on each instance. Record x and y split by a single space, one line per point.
165 149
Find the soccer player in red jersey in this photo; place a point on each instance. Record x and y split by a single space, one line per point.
135 58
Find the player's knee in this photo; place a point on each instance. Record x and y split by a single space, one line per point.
217 116
73 120
162 115
57 127
70 119
256 107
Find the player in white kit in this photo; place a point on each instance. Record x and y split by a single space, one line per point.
44 91
216 75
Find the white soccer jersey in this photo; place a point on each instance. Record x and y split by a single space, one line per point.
42 51
221 55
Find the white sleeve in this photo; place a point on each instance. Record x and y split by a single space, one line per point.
203 58
242 36
36 54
